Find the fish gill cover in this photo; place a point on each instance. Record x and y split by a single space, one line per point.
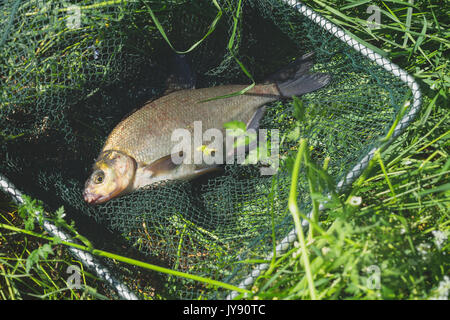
71 70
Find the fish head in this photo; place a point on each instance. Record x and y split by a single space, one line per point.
112 176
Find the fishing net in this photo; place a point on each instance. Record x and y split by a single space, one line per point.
71 70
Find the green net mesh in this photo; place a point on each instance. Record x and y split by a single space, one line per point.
70 71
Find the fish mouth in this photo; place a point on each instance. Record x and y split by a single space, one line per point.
93 198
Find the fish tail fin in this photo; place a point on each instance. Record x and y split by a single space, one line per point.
295 80
303 83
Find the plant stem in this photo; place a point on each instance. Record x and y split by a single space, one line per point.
295 211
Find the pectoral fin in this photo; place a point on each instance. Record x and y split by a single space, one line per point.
164 164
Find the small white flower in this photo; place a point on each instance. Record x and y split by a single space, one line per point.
439 238
296 244
402 231
96 54
442 290
355 201
406 162
424 249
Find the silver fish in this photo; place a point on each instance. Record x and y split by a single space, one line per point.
139 151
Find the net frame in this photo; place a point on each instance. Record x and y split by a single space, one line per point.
123 291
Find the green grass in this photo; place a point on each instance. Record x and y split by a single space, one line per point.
386 238
31 268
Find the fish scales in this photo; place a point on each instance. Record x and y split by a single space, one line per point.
146 134
138 152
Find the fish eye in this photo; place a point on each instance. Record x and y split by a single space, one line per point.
99 177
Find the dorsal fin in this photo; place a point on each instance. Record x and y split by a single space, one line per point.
181 76
297 67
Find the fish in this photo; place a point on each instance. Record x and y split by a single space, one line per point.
139 152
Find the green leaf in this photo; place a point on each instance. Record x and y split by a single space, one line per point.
29 223
299 109
212 27
45 250
235 128
60 213
422 35
294 134
32 259
442 188
41 252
